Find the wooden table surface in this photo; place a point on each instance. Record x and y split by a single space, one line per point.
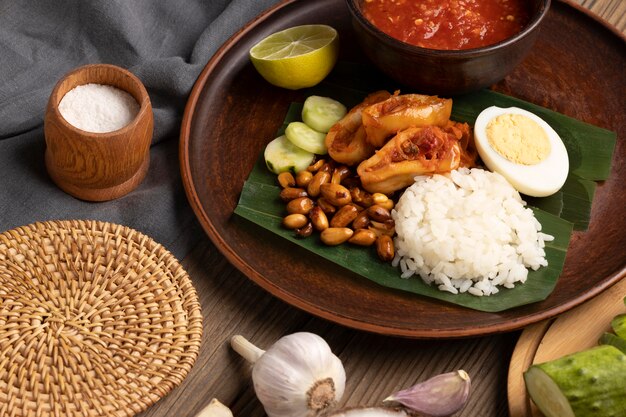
375 365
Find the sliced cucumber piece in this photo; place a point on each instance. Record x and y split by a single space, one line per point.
613 340
546 394
321 113
281 155
588 383
619 325
306 138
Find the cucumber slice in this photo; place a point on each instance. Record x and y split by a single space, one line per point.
613 340
584 384
320 113
306 138
619 325
281 155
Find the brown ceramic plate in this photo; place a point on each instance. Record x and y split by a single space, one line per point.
576 68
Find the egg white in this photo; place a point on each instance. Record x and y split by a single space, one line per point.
539 180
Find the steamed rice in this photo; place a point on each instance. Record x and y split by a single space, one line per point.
467 232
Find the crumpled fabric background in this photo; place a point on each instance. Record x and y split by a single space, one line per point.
165 43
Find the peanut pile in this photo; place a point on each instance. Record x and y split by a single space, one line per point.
328 198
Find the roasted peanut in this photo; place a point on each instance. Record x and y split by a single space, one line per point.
286 179
336 194
344 216
387 228
328 167
326 206
327 189
379 198
320 177
378 213
387 204
336 235
302 205
361 221
363 237
295 221
355 194
362 197
339 174
382 200
305 231
385 248
351 182
318 218
358 206
290 193
314 167
303 178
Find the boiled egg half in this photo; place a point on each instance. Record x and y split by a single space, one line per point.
523 148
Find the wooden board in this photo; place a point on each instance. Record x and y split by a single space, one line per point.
576 330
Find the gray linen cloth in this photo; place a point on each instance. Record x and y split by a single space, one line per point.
165 43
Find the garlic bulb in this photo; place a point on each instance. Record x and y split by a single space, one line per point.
298 376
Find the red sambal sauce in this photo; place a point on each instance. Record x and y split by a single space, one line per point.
448 24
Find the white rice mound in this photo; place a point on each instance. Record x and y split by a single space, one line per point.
468 231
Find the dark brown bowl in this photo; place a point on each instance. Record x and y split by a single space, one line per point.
445 72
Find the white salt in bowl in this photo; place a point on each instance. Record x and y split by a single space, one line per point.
98 166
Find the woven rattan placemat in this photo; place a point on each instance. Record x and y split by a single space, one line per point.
96 319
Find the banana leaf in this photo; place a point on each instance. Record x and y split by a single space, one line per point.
590 151
259 203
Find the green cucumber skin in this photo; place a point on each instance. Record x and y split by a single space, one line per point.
619 325
282 156
613 340
307 138
593 381
321 113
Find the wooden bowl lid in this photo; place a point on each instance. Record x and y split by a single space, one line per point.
95 319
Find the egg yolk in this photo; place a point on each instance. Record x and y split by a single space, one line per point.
518 138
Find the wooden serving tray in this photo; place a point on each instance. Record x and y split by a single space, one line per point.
576 330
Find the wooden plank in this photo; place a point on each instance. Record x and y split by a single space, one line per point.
581 327
375 365
614 12
522 358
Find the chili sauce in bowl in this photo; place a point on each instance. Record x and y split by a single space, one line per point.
448 24
447 47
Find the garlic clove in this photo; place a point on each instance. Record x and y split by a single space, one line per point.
373 412
215 409
440 396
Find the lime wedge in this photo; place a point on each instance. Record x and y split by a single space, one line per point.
297 57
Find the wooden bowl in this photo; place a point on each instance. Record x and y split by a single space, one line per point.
98 166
